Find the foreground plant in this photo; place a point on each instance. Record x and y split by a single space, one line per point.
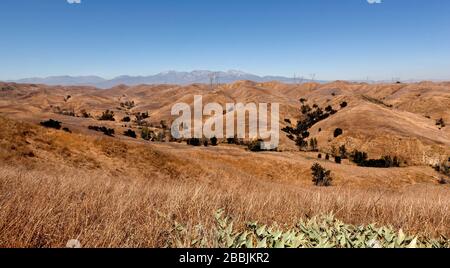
317 232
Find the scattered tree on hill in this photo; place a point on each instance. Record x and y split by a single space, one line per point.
302 144
126 119
342 152
344 104
443 168
338 159
255 145
105 130
321 176
51 124
107 116
193 141
440 122
213 141
361 159
130 133
313 144
163 124
67 130
85 114
327 157
338 132
319 156
305 109
127 104
147 134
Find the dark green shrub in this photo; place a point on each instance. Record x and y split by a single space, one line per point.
321 176
107 116
213 141
51 124
338 132
255 146
130 133
193 141
105 130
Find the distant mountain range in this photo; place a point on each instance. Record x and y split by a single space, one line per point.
169 77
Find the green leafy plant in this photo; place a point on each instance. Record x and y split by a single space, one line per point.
318 232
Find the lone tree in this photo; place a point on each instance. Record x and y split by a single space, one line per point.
321 176
213 141
344 104
51 124
313 144
338 132
146 134
343 152
440 122
130 133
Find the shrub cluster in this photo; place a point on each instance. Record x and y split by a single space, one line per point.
130 133
107 116
51 124
105 130
361 159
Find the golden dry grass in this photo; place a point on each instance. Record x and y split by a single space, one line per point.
46 209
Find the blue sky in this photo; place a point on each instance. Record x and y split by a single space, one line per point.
336 39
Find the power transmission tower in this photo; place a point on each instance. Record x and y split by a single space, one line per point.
313 76
211 80
301 80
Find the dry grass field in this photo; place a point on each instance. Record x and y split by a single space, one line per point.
124 192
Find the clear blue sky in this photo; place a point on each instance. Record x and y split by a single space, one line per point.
337 39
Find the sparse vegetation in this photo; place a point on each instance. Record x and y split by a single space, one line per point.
338 132
255 145
443 167
147 134
213 141
440 122
130 133
51 124
361 159
126 119
343 152
105 130
140 118
313 145
85 114
107 116
321 176
193 142
128 105
376 101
